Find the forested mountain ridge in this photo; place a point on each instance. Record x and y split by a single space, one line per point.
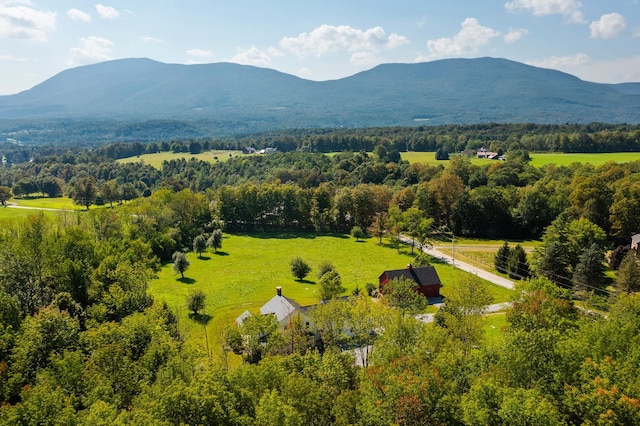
227 98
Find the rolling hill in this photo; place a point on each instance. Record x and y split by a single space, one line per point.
230 96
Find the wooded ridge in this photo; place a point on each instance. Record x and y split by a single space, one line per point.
230 98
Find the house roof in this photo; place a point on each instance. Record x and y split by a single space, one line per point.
282 307
422 275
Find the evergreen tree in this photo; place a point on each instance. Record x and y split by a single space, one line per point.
518 265
553 265
501 259
589 273
628 278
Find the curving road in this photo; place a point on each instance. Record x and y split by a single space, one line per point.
485 275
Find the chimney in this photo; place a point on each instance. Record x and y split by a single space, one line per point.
279 291
409 266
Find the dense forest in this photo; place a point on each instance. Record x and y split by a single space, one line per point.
82 341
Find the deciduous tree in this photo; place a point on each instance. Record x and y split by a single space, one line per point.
196 301
215 240
180 262
299 268
199 245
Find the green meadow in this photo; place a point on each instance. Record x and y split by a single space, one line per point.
537 159
244 274
155 160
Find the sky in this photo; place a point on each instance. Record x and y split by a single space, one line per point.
595 40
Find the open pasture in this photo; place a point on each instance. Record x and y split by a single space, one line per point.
155 160
243 275
538 159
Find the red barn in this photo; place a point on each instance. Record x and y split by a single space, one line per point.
425 276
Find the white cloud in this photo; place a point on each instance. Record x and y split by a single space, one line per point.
199 56
608 71
609 26
12 58
149 39
636 33
78 15
561 62
107 12
515 34
329 38
570 9
18 19
364 59
471 37
200 53
252 56
92 49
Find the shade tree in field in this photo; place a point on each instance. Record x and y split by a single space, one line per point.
5 195
299 268
196 301
215 240
84 191
199 244
358 233
180 263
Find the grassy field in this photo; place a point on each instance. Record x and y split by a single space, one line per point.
493 324
244 275
156 159
537 159
59 203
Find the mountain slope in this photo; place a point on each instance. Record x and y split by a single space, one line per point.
438 92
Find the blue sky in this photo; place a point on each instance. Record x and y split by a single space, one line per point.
596 40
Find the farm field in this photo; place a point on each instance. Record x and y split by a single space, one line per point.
537 159
155 160
248 268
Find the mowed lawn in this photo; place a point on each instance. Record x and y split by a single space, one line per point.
246 271
156 159
537 159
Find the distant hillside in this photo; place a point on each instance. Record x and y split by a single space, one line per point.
230 96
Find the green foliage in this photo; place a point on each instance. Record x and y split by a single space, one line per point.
199 244
589 272
501 259
628 278
358 233
5 194
299 268
215 240
403 294
518 264
180 262
330 285
196 301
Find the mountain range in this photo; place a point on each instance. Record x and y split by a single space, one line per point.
227 95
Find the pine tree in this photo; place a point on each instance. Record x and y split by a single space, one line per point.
518 265
628 278
589 272
501 259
